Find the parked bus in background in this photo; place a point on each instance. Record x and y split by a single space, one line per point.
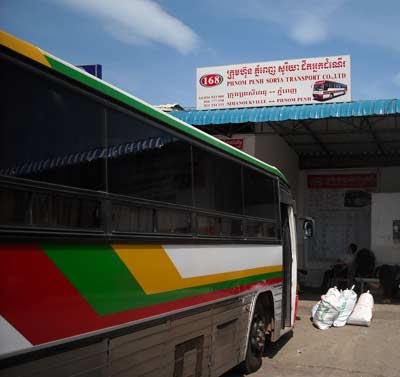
324 90
131 242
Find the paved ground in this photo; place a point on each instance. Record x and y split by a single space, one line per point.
337 352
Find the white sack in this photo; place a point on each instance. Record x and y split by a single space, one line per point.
349 299
314 309
328 309
362 313
331 291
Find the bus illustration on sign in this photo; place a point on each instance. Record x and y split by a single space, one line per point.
326 90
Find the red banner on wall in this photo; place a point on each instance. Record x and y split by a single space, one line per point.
237 143
333 181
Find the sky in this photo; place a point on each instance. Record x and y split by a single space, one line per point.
151 48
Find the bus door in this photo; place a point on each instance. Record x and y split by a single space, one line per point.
289 265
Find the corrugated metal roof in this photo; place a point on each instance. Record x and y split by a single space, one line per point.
275 114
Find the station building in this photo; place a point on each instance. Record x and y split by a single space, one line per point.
343 163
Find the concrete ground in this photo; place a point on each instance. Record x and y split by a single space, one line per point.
337 352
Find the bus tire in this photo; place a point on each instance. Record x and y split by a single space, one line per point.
256 341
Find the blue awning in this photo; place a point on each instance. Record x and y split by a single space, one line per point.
282 113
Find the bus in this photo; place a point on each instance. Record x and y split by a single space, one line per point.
131 242
325 90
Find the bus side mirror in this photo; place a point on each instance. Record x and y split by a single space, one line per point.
308 227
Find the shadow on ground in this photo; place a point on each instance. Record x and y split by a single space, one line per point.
270 351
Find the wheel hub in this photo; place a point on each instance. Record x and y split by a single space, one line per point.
258 336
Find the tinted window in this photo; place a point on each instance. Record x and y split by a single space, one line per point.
260 230
260 195
132 219
146 162
49 132
48 210
217 182
218 226
231 227
52 210
170 221
14 207
208 225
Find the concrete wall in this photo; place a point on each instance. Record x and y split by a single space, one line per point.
381 227
275 151
385 209
389 179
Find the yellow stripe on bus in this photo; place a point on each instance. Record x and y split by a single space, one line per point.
155 272
23 48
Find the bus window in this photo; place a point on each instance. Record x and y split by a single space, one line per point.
46 128
213 190
219 226
260 229
318 87
57 211
260 195
208 225
147 163
231 227
132 219
171 221
14 204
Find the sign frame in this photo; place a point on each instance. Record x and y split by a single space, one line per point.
276 83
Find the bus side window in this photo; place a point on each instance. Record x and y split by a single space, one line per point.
149 163
49 130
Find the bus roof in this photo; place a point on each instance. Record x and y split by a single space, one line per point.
44 58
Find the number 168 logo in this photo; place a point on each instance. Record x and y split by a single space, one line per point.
212 79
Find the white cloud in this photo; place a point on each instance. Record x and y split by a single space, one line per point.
396 79
305 21
308 30
309 22
315 21
139 22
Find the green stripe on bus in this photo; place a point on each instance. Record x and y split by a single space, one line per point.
98 274
104 88
102 279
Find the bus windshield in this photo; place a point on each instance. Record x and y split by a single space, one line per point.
318 87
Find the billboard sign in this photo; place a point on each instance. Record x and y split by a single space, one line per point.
277 83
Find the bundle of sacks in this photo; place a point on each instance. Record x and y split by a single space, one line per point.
339 307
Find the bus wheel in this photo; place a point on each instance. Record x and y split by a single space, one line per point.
331 96
256 342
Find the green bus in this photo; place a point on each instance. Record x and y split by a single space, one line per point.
131 243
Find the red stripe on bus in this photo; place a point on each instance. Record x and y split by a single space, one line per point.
37 299
43 305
